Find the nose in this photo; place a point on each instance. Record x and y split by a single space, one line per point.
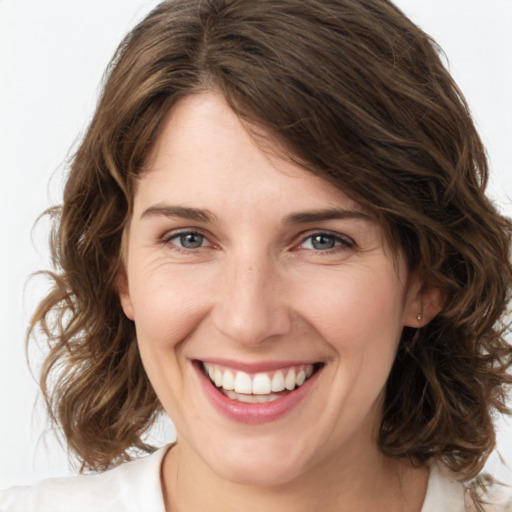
251 307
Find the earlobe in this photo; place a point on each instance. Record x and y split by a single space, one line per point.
425 303
124 294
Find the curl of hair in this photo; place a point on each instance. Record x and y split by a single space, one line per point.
354 92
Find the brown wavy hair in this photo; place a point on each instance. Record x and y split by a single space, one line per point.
357 94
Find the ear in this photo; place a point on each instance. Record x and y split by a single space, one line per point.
423 302
123 291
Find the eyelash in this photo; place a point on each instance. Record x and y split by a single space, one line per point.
341 242
169 237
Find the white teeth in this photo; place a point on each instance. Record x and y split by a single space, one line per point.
243 383
289 381
217 377
228 382
244 387
252 399
261 384
278 382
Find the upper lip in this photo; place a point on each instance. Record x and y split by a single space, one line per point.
256 366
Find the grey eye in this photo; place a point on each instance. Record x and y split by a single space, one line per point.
191 240
326 241
323 242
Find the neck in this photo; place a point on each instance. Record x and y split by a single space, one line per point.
344 483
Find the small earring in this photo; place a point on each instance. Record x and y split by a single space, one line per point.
419 317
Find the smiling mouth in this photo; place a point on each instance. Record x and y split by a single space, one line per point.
257 388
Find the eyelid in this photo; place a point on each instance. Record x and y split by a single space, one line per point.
169 236
344 240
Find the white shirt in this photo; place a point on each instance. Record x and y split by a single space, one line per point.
135 487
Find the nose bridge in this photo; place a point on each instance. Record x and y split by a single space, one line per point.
250 307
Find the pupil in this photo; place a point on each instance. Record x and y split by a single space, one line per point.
191 240
323 242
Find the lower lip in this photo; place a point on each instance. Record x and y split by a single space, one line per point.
254 413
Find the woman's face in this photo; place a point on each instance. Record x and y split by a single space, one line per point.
247 267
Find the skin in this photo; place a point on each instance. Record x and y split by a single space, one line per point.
256 290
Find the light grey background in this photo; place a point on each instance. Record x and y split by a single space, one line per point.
52 56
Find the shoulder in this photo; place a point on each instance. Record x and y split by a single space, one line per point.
132 486
485 494
444 492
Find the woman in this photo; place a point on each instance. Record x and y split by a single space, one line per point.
275 230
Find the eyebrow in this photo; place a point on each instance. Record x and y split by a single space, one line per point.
182 212
327 214
205 216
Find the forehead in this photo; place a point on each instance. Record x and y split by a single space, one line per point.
204 153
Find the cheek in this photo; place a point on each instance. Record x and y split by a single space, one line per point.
167 305
351 306
361 320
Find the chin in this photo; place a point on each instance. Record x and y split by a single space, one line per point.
266 475
259 463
